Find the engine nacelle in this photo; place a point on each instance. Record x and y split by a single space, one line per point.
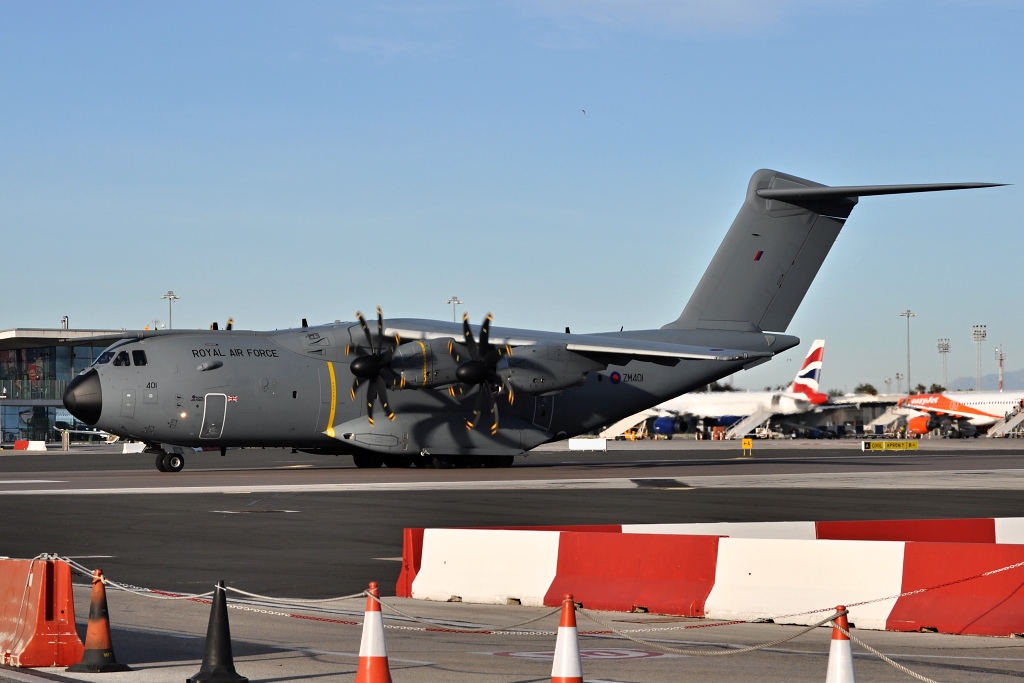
545 368
922 424
423 364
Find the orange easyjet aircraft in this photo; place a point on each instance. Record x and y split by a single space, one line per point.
980 409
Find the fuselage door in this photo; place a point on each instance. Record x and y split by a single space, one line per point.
214 411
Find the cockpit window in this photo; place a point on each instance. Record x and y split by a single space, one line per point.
139 357
104 357
121 359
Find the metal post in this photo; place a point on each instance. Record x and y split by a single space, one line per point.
454 301
979 333
908 314
1000 356
944 351
171 298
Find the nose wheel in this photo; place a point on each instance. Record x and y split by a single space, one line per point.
169 462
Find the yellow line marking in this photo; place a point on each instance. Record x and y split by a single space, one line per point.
334 400
423 347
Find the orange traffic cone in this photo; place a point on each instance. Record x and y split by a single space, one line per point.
373 652
99 651
840 654
567 667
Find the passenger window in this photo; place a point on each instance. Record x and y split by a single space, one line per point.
139 357
122 359
104 358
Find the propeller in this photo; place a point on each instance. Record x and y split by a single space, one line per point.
372 368
215 326
481 370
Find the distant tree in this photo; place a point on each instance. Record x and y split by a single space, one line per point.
936 389
919 389
718 386
835 393
865 389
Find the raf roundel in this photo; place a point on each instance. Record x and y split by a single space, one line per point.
615 377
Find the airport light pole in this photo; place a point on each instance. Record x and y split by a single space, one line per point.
944 351
899 383
454 301
908 314
171 298
1000 356
979 334
888 384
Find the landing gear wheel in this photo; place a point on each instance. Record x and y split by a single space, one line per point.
173 462
366 460
422 461
505 460
399 461
160 461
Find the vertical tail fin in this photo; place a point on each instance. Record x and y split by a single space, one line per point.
806 380
769 257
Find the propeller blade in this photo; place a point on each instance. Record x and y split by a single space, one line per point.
380 330
355 385
366 330
371 396
494 412
467 335
383 394
477 405
485 333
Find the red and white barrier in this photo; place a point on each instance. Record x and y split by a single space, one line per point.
37 614
520 565
900 584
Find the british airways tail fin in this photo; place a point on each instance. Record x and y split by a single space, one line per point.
806 381
780 238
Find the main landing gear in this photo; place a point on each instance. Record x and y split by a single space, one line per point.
168 462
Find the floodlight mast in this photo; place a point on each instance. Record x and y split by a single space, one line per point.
979 333
944 352
171 298
908 314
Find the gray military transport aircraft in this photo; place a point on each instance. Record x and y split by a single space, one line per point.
438 394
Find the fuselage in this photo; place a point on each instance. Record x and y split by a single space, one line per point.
296 388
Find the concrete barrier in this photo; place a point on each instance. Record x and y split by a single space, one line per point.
968 586
37 614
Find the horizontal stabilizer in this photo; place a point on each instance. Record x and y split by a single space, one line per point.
822 193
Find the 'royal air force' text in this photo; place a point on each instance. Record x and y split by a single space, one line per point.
251 353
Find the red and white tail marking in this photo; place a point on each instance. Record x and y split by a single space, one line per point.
806 381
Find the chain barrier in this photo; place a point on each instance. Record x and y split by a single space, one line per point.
295 601
707 653
887 660
482 630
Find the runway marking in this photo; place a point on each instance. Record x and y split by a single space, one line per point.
31 481
1009 479
249 512
90 557
388 559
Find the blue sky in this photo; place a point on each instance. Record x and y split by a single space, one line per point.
274 161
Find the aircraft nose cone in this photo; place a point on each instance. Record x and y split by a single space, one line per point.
83 398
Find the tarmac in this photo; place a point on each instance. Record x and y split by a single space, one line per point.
316 528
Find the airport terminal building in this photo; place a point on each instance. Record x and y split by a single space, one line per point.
35 367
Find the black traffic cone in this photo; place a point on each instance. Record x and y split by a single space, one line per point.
218 665
99 650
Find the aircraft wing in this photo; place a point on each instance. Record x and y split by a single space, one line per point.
615 349
650 350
